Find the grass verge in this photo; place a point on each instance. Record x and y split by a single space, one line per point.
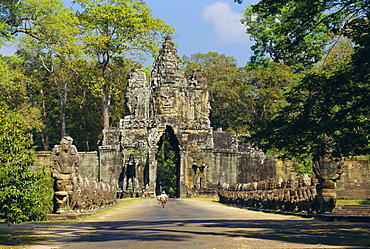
353 202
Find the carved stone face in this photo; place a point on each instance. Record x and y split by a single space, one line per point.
164 100
65 143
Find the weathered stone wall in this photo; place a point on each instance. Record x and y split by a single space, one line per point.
252 167
110 163
355 181
88 163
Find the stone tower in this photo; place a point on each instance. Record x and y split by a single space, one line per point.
168 103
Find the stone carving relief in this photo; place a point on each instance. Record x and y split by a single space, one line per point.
165 101
137 95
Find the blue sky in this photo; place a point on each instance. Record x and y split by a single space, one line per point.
202 26
205 25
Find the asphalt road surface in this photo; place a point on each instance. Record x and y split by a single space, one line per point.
191 223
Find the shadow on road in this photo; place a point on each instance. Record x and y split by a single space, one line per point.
307 232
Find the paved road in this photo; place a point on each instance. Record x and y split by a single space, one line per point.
189 223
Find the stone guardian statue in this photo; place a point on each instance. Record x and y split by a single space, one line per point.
328 167
64 159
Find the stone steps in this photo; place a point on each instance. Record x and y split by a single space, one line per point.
353 210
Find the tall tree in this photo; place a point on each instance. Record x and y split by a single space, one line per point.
117 28
50 30
273 39
56 45
331 100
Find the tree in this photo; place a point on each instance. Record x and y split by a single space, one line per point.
24 195
117 28
17 89
42 95
270 83
274 40
55 42
301 30
50 31
331 100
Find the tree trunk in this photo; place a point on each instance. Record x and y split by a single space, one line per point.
106 91
106 106
63 117
63 100
43 134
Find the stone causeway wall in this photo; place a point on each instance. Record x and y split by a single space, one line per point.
293 195
89 195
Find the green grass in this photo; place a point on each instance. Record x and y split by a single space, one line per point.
353 202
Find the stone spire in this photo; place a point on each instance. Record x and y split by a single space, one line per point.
168 69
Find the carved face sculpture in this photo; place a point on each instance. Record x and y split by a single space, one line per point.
66 143
164 100
306 180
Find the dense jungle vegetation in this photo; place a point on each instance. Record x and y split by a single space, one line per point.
308 78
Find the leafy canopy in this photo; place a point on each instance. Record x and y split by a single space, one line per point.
331 99
113 28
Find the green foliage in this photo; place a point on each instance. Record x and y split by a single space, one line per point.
274 37
167 167
112 28
270 82
24 195
330 99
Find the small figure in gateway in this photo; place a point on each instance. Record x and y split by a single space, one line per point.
163 198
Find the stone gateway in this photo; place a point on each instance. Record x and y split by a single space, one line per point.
171 106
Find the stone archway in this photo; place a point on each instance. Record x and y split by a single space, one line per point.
168 164
173 107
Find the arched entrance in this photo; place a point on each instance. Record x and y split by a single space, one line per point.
168 164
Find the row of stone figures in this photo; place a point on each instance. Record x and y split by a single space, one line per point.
73 193
295 195
89 195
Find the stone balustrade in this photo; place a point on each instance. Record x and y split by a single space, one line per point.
294 195
90 195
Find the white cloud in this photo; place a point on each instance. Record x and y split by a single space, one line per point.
226 22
